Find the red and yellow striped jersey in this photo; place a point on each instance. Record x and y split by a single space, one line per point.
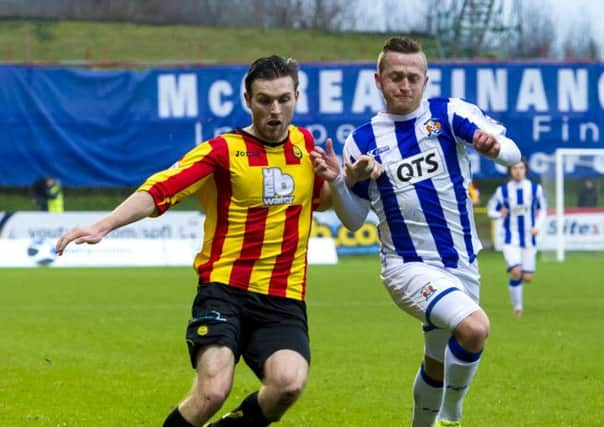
258 201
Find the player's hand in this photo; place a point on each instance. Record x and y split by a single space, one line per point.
366 167
504 212
485 143
534 231
326 162
79 235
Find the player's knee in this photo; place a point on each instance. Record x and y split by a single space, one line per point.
288 388
285 388
516 273
472 332
527 277
210 397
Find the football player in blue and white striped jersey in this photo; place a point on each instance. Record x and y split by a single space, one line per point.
409 164
521 205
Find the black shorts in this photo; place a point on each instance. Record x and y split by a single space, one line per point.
252 325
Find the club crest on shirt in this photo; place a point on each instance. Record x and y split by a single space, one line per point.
433 127
297 152
427 291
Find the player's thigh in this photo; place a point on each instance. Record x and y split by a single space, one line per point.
274 324
513 256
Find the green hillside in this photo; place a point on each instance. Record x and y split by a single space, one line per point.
109 42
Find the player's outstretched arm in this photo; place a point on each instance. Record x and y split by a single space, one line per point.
499 148
350 209
139 205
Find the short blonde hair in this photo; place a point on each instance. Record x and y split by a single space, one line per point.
401 45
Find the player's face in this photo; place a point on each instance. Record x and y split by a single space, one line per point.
272 103
402 81
518 171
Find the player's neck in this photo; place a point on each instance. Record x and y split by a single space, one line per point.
251 132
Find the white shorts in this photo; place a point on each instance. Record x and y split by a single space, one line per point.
436 297
517 256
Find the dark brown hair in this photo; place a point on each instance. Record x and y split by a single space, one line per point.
526 167
270 68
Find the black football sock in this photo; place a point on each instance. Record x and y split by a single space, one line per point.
248 414
175 419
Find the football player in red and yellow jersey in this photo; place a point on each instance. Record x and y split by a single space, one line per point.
258 189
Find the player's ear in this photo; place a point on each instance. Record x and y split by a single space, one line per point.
248 99
378 80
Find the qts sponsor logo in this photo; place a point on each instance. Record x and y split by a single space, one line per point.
413 169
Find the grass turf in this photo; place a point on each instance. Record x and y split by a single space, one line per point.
105 347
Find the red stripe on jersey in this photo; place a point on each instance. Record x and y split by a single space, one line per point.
290 157
309 140
174 184
160 191
310 219
256 155
284 261
222 178
251 249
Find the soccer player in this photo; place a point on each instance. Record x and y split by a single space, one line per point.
521 204
258 190
415 156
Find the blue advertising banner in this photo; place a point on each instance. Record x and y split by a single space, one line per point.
114 128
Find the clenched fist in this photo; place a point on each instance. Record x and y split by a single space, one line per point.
485 143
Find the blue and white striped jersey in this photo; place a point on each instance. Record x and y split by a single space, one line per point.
526 207
422 202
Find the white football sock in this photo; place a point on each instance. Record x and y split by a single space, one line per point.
460 368
427 397
516 293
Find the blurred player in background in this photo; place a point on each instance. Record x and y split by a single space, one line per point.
415 155
48 194
521 205
258 190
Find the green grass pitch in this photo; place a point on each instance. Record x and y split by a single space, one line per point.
105 347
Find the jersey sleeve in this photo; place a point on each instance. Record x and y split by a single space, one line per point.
495 204
351 153
465 118
187 176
